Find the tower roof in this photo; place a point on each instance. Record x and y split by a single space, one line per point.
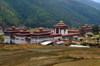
13 26
41 28
86 24
60 24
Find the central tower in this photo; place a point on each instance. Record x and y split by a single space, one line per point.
60 28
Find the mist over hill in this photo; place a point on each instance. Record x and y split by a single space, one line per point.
45 13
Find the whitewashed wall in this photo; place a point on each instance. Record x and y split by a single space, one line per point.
66 32
13 40
7 39
19 40
88 33
34 40
62 31
58 37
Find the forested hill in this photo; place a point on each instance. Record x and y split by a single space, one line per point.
45 13
90 3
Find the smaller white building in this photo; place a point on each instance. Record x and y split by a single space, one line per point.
42 35
15 35
87 30
60 28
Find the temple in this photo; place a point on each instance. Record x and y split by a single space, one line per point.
60 28
60 31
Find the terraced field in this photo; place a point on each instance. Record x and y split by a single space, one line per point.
37 55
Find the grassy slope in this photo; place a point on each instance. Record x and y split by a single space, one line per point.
7 15
90 3
36 13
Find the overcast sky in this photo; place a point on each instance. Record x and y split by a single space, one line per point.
97 1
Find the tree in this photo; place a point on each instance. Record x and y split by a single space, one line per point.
1 39
95 30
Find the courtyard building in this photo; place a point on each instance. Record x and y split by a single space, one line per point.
60 31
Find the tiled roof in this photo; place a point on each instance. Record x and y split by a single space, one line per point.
20 34
55 34
71 34
59 25
41 33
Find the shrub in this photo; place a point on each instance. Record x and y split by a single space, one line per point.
84 43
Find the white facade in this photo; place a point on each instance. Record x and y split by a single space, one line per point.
13 41
58 37
34 40
87 33
66 32
7 39
19 40
60 31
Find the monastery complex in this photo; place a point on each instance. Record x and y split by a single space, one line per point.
60 31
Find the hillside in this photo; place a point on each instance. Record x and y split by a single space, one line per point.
90 3
45 13
8 16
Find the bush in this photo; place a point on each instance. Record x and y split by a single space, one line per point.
84 43
99 45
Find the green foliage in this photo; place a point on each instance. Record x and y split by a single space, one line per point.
1 39
90 3
45 13
95 30
89 38
84 43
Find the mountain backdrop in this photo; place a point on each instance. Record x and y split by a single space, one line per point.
45 13
90 3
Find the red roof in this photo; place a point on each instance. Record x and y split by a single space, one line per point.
23 31
13 36
20 34
41 33
88 29
86 26
16 30
10 31
72 30
60 25
28 37
71 34
55 34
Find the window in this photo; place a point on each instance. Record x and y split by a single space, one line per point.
17 38
22 39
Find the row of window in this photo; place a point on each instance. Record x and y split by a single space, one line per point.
19 39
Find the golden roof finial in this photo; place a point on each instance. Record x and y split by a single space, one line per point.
61 23
41 28
86 24
13 26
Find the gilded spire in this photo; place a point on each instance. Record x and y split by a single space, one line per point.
41 28
86 24
13 26
61 23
